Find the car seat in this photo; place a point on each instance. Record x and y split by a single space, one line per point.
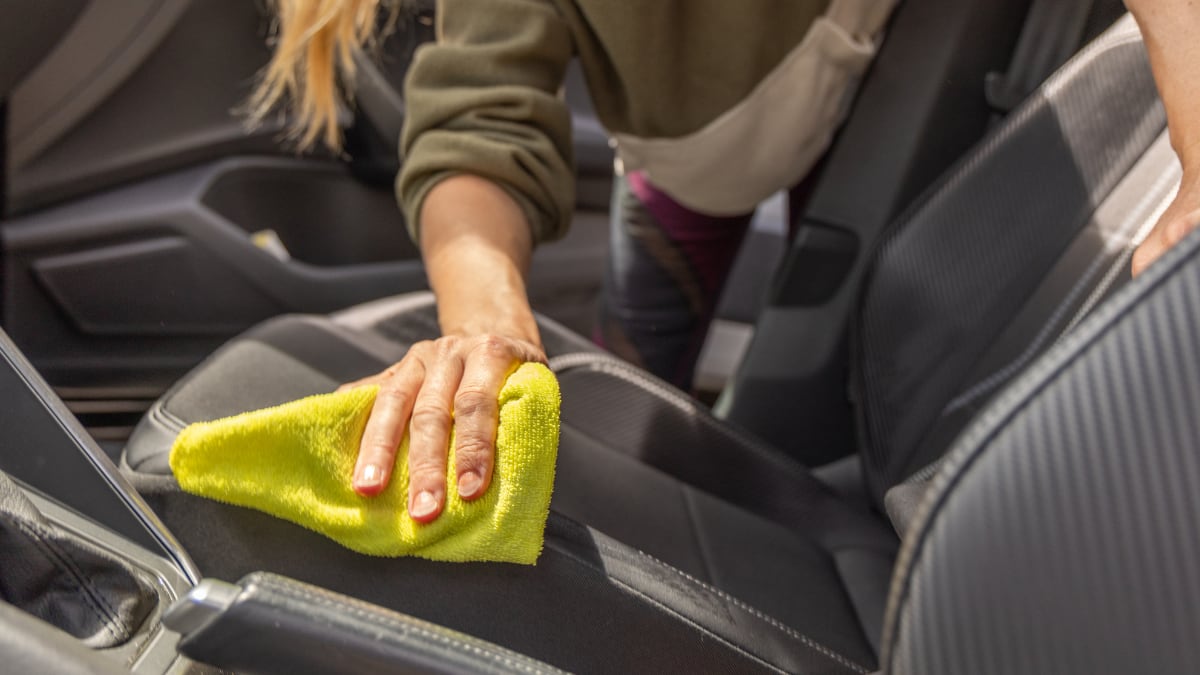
1050 537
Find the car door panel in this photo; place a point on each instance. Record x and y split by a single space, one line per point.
146 224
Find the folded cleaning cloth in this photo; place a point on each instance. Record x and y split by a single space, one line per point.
295 461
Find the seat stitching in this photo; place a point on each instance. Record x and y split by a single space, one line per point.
668 609
169 419
799 637
373 613
804 639
680 617
689 506
93 597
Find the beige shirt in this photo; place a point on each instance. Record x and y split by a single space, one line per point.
721 103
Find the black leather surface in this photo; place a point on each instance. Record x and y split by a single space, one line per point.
591 604
280 626
611 407
68 583
1061 534
815 566
28 645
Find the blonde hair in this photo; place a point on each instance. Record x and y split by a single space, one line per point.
312 67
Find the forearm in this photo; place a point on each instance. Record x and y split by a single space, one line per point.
1171 29
476 245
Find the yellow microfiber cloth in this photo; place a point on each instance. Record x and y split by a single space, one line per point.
295 461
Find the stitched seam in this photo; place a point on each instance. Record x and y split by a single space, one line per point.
804 639
364 610
67 564
611 366
958 464
703 586
666 608
694 525
680 617
405 627
169 420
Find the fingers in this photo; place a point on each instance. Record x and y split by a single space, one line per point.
385 428
1168 232
374 379
476 414
1149 250
463 375
429 436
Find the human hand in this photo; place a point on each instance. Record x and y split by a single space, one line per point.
454 378
1180 218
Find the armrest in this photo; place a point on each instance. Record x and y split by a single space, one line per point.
272 624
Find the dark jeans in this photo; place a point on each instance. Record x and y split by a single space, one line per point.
666 270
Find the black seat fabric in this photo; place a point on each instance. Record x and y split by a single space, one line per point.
827 563
949 279
1068 511
744 556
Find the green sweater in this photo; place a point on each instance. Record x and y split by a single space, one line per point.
679 83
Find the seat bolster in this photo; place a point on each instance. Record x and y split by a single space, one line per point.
280 360
409 318
296 355
638 415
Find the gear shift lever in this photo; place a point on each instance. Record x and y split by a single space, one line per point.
69 583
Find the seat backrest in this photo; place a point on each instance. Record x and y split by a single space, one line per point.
1061 534
923 104
994 264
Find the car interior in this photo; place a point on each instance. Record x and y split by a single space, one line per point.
957 437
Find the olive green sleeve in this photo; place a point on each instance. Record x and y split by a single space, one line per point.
484 100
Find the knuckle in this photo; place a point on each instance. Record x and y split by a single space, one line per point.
431 418
472 401
472 452
493 346
447 347
394 396
382 441
1178 229
426 471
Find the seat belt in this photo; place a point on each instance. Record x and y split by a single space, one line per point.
1051 35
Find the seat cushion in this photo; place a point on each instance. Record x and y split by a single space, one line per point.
788 548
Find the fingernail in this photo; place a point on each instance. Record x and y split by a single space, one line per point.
469 484
423 505
369 475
